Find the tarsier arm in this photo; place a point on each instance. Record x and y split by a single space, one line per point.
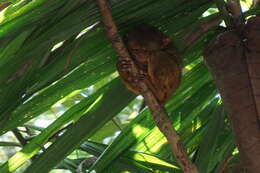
131 81
124 69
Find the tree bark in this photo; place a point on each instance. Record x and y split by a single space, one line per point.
233 61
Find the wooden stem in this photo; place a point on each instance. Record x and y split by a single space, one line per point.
159 114
19 137
203 28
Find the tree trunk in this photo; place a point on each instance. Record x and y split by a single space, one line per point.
233 61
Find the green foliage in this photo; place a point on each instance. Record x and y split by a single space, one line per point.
55 59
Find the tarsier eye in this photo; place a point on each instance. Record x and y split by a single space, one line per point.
135 51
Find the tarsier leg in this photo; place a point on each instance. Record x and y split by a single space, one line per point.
132 81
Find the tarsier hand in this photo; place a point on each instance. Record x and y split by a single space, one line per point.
156 59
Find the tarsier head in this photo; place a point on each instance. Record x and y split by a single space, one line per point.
143 40
146 37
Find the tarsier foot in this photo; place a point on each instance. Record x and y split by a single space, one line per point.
125 65
130 78
137 80
140 77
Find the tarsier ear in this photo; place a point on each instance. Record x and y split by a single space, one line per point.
166 41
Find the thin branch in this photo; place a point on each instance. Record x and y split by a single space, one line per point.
256 3
204 27
234 8
116 124
19 137
221 5
88 161
223 166
231 13
159 114
28 131
4 5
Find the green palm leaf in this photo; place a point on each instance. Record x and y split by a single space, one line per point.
55 53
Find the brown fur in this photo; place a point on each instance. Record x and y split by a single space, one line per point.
156 58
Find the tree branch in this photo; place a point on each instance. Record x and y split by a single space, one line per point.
4 5
204 27
159 114
221 5
223 166
19 137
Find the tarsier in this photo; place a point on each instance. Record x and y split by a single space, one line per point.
156 59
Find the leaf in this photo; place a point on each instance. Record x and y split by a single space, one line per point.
209 144
102 112
37 143
80 78
13 47
132 157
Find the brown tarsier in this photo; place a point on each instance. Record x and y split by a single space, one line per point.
156 59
